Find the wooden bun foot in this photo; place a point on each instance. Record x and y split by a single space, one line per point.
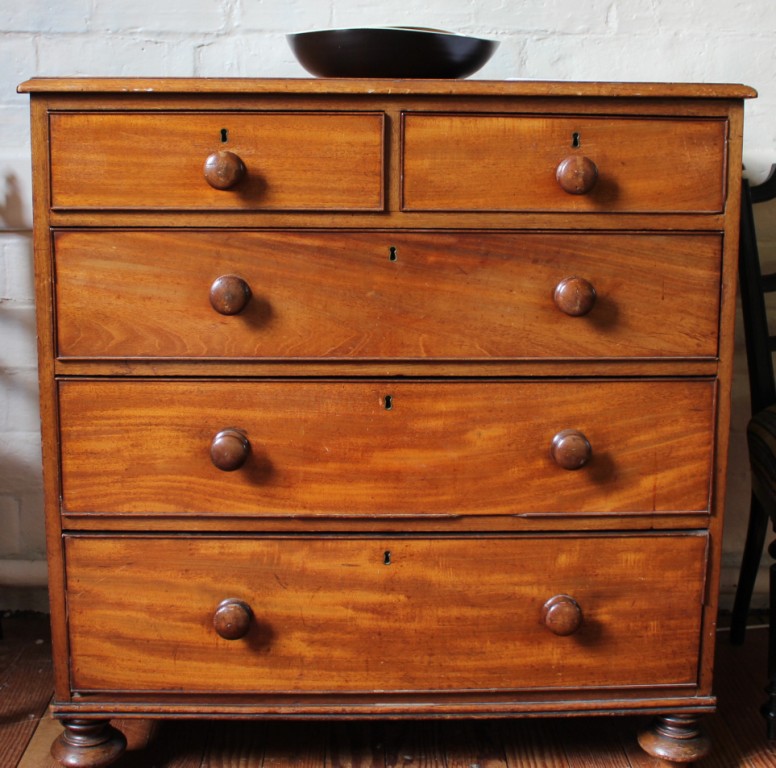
88 744
675 738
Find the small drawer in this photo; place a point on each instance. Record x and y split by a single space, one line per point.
382 448
386 296
261 161
565 164
368 615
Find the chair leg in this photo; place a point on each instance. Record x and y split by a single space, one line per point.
769 708
750 565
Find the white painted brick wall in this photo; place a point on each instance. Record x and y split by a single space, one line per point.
665 40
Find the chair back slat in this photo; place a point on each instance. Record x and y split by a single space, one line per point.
760 343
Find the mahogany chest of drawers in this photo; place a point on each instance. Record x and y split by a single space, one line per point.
384 398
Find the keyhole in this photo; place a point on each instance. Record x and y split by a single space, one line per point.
387 557
392 255
575 141
388 402
224 135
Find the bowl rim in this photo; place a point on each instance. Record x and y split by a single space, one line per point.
381 28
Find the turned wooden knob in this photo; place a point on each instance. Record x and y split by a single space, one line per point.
562 615
229 449
232 619
577 174
575 296
570 449
224 169
229 294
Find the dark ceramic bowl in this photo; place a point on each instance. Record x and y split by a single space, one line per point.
395 52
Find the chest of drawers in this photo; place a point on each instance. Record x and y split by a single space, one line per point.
384 398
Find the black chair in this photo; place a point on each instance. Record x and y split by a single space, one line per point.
761 429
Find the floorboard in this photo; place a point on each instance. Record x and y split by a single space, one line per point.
25 684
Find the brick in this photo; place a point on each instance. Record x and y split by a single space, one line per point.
436 14
560 17
10 530
605 57
20 469
285 17
19 341
45 16
713 20
15 193
177 16
115 56
19 410
17 63
15 126
16 269
247 56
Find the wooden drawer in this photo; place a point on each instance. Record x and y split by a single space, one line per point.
383 448
329 615
143 161
508 163
385 296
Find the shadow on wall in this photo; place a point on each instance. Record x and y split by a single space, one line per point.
12 209
21 507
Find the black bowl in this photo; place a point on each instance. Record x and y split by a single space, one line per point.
395 52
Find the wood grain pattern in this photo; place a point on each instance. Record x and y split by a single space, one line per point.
25 683
323 448
466 743
360 87
295 161
356 745
332 616
365 384
737 730
384 296
508 163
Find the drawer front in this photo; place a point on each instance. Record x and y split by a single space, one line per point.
292 161
509 163
382 448
384 295
372 615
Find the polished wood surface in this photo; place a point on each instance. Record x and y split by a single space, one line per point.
293 161
88 744
224 169
375 614
383 87
487 325
576 174
385 296
337 448
510 163
738 740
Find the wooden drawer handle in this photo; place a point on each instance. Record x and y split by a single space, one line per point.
229 449
574 296
577 174
229 294
570 449
232 619
562 615
224 169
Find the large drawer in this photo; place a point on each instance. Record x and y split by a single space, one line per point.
385 447
385 295
398 614
144 161
480 162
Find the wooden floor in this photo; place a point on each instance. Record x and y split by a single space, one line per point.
26 731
